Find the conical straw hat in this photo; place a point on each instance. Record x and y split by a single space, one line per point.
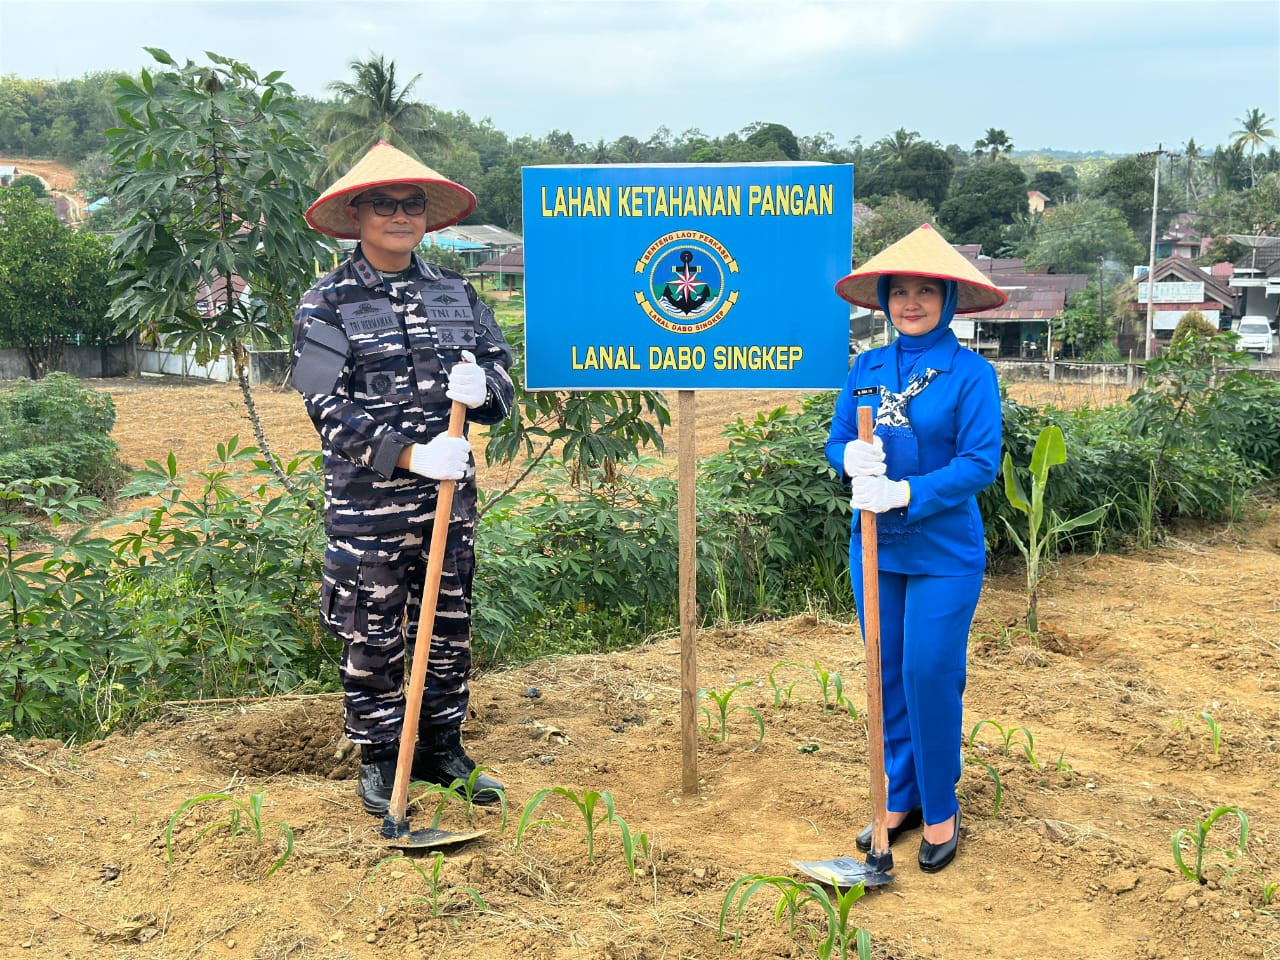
923 252
383 165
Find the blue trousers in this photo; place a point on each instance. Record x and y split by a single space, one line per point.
924 639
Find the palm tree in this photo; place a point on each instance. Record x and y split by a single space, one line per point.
896 145
1254 133
1191 153
375 107
996 140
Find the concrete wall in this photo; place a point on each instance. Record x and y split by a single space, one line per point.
113 360
124 360
1129 374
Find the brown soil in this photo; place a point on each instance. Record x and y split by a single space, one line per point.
1076 863
58 178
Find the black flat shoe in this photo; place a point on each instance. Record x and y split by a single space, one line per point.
935 856
913 820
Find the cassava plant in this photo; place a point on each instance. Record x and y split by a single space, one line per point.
1050 450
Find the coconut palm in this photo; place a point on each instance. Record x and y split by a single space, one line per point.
373 107
1254 133
1193 158
996 140
895 147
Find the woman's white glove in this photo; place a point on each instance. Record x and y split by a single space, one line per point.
441 458
467 382
879 494
862 459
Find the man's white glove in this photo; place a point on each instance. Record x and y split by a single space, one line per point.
879 494
441 458
467 382
862 459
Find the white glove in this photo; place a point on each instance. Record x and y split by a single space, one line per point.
441 458
467 382
862 459
879 494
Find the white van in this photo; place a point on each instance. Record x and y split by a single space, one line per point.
1255 335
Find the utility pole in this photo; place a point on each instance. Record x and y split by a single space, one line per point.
1151 260
1102 319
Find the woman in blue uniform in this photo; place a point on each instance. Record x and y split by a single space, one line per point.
936 445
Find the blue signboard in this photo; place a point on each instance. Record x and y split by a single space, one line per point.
696 276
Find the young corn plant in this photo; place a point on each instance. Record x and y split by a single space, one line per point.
1007 735
1198 837
995 778
783 692
440 896
461 790
586 804
724 710
241 812
1215 730
832 686
793 896
1050 450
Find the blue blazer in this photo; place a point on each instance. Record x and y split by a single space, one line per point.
950 452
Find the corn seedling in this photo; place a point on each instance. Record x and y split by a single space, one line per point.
241 811
439 896
831 684
1007 736
1050 450
1062 766
995 778
630 843
461 790
1199 836
725 711
1215 730
1269 889
782 694
586 805
793 897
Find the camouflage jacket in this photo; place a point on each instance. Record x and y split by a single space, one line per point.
371 358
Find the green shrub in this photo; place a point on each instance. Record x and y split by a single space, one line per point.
56 427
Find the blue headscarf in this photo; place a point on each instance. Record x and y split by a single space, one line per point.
912 348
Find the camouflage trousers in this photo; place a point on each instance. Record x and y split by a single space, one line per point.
371 600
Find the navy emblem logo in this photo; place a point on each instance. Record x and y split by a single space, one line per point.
687 274
446 299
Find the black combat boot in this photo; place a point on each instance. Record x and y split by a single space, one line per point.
377 776
438 758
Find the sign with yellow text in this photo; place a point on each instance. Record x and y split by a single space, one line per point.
697 276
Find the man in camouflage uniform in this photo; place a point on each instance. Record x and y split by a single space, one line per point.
382 347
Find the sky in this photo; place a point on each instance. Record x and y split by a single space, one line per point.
1119 76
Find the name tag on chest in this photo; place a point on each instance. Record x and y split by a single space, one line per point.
369 317
449 311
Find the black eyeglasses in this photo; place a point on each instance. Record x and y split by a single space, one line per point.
386 206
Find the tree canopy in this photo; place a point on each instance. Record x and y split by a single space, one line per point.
1072 237
982 202
54 286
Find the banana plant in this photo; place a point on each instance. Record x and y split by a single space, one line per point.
1050 451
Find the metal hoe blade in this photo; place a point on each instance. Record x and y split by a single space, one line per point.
850 871
398 834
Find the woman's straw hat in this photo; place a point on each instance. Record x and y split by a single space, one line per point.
923 252
383 165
